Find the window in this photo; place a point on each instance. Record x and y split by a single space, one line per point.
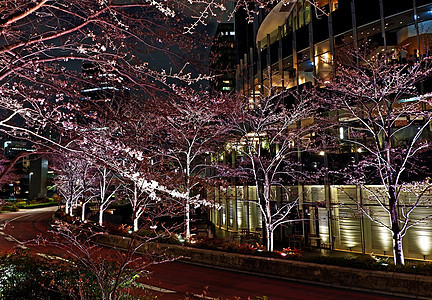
334 5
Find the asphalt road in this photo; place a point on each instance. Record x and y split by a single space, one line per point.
177 280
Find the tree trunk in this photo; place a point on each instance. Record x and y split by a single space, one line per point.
187 220
71 209
398 255
397 249
66 208
101 217
187 202
270 240
83 211
135 224
267 208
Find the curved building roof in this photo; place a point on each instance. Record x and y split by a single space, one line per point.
275 18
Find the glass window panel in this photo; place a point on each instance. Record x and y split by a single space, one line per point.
307 14
323 225
381 236
420 237
349 228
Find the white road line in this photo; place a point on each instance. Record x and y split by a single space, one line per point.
205 297
154 288
10 237
166 291
52 257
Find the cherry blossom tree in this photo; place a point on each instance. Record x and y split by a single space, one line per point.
188 129
123 141
107 185
387 116
8 171
204 11
268 138
140 202
102 273
45 44
69 181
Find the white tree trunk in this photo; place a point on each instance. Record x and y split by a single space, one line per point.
101 211
83 211
398 255
71 210
187 220
187 202
270 239
66 208
135 224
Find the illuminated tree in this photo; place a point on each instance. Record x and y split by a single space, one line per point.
140 202
268 137
96 272
46 45
387 117
187 130
70 179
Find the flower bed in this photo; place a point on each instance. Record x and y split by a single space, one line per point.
245 248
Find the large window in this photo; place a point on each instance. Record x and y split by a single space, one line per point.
323 3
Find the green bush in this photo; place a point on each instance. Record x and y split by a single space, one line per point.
37 205
25 276
8 207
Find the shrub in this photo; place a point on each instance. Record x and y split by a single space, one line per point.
6 207
26 276
116 229
232 247
209 243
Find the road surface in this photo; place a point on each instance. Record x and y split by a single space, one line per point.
177 280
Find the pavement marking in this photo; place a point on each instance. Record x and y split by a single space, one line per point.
154 288
9 237
205 297
52 257
16 218
166 291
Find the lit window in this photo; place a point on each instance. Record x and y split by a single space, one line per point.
335 5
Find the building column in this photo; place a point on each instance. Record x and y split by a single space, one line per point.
327 196
280 57
269 72
381 5
416 26
246 77
312 49
330 30
259 69
251 73
354 23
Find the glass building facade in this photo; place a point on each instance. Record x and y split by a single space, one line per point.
294 44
